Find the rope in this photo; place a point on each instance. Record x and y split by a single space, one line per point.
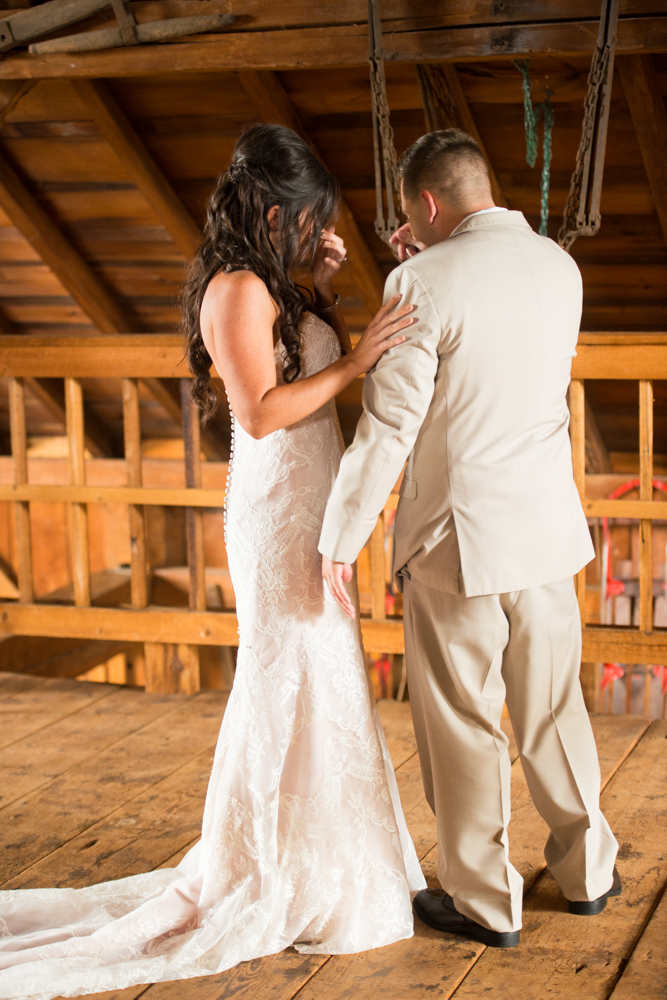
532 115
384 151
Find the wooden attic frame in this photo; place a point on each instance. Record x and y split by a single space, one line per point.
257 57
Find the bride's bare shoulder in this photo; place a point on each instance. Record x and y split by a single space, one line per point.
238 288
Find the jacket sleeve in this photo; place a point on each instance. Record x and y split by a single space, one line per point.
396 396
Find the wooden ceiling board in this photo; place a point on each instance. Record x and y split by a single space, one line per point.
182 95
14 246
103 203
65 159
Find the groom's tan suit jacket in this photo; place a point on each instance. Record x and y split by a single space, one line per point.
475 400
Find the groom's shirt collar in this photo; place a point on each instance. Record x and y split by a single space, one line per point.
496 216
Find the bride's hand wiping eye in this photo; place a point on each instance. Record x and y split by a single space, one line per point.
327 259
383 332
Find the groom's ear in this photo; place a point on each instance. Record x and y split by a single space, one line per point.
430 205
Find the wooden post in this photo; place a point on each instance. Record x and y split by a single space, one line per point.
646 493
21 508
194 526
132 433
578 436
78 511
171 668
193 515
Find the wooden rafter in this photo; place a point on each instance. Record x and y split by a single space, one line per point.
273 104
59 255
647 109
139 164
345 45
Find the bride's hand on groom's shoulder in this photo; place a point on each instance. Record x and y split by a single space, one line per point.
406 245
383 332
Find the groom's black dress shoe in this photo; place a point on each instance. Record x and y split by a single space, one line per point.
589 907
438 911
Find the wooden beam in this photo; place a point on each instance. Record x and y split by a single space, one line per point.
47 238
84 494
214 628
138 163
347 45
599 356
647 109
273 104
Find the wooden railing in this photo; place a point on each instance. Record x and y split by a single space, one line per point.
162 630
629 357
132 358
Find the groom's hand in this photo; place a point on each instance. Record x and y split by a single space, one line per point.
406 245
336 575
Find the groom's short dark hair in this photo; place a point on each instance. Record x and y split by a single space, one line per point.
448 162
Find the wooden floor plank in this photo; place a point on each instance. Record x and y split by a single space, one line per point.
76 739
277 977
42 822
433 963
29 704
562 955
154 824
140 835
645 976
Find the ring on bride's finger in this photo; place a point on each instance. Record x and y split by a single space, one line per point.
341 260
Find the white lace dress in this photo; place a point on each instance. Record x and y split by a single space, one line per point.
304 842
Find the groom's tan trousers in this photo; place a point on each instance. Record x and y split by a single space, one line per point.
465 657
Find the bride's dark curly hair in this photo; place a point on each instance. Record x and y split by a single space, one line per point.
270 165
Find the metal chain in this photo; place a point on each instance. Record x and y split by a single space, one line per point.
580 219
572 226
384 151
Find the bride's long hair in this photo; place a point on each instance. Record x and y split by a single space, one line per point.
270 165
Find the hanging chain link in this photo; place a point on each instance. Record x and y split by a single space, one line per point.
384 151
582 212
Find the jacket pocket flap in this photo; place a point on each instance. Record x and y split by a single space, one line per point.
408 489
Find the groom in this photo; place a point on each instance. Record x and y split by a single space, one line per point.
489 532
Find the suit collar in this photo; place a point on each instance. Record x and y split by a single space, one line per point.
490 219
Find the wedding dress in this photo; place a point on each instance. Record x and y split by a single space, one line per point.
303 841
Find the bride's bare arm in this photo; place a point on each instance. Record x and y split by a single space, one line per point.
237 322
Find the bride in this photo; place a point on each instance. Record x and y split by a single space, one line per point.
303 840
